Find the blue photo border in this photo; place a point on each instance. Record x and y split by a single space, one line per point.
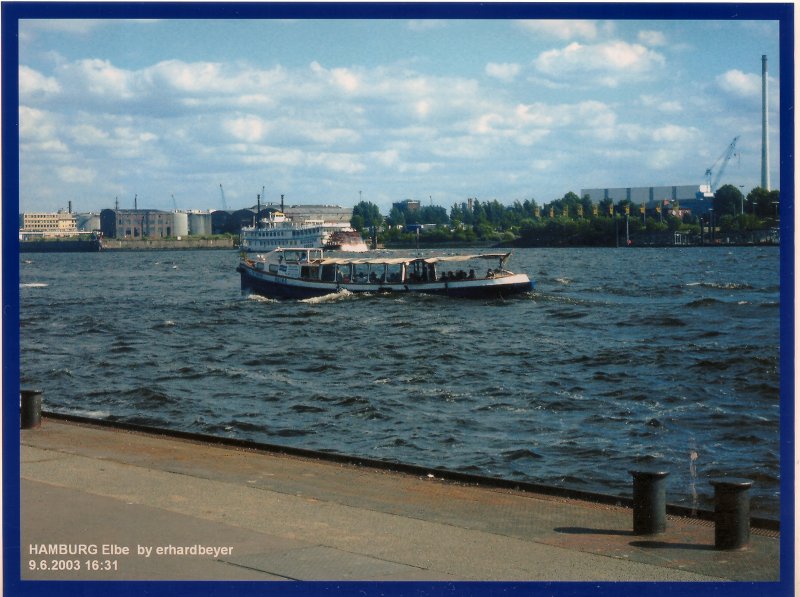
12 12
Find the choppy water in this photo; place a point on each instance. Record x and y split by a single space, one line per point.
665 356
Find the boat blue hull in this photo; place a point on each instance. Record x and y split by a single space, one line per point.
287 288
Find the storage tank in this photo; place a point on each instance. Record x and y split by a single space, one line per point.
180 225
200 224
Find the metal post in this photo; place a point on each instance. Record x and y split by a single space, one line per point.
30 411
649 502
731 513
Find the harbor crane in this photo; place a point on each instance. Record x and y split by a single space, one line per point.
222 193
725 158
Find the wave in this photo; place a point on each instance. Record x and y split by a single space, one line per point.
704 302
342 294
307 408
722 285
260 299
168 323
33 285
521 454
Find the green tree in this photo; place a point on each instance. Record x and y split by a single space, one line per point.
396 217
727 201
433 214
605 205
357 222
763 203
366 215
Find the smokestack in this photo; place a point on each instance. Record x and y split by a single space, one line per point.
764 126
135 202
69 207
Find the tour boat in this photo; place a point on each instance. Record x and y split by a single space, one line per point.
307 273
279 231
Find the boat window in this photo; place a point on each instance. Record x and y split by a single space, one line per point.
361 273
394 273
328 273
309 272
419 271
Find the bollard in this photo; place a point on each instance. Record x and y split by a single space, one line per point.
649 502
30 409
731 513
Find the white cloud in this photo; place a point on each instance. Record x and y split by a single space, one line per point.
505 72
100 78
346 80
542 165
529 124
423 108
564 29
72 174
739 84
250 129
36 125
652 38
89 134
675 134
607 64
660 104
312 129
32 82
342 163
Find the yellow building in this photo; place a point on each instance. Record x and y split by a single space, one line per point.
61 223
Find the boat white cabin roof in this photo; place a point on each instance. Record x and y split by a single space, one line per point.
408 259
318 256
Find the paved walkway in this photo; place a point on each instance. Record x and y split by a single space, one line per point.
152 502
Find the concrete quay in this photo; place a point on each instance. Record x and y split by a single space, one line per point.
121 505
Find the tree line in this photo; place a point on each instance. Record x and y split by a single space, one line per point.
570 220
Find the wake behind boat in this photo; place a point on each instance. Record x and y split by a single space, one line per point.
307 273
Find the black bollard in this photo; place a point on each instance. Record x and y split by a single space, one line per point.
649 502
731 513
30 409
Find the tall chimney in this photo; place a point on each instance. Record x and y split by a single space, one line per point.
764 126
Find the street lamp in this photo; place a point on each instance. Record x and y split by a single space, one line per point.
741 186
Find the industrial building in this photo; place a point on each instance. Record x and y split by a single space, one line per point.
55 224
695 198
153 223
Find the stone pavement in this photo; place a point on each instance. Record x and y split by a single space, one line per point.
147 506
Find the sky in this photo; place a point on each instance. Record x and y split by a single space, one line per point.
338 111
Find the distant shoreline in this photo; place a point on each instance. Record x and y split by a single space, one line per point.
113 244
228 244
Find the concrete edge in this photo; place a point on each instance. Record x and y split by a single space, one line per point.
416 470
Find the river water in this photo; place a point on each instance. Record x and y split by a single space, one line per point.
620 357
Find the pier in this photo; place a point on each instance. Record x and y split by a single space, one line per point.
158 507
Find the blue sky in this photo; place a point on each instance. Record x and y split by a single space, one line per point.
330 111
